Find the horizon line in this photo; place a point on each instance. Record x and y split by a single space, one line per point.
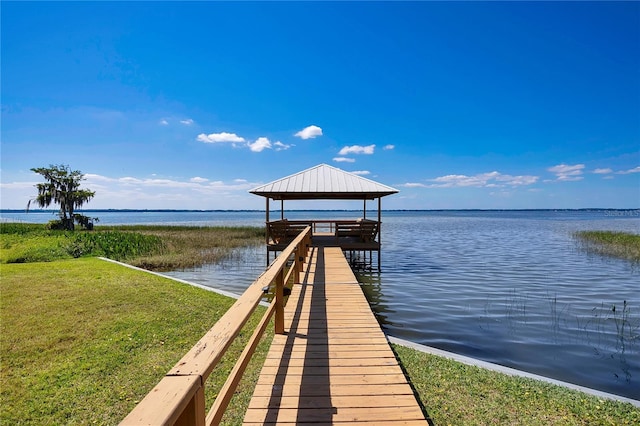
316 210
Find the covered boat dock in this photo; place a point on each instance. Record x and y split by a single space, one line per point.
358 237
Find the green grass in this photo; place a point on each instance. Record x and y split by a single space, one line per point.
458 394
83 340
151 247
610 243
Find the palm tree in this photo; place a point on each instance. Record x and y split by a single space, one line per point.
62 187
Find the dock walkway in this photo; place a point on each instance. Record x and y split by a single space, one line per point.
333 365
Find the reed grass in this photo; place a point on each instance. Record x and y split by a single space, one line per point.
159 248
611 243
186 247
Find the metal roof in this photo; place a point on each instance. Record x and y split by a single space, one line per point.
323 182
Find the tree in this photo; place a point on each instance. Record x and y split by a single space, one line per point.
62 187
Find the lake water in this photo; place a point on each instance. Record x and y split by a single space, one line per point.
508 287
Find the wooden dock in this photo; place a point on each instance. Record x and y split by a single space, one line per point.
333 365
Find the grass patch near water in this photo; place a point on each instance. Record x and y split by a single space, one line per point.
618 244
186 247
84 340
458 394
159 248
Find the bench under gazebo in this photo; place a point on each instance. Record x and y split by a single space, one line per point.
323 182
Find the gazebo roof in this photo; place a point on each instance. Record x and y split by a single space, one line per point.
323 182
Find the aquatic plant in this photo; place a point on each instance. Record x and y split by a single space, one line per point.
115 245
610 243
150 247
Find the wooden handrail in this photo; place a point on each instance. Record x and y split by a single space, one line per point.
178 399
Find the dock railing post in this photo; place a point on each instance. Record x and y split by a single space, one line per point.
279 320
194 413
297 263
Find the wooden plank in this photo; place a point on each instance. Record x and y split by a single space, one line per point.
342 351
352 379
314 390
335 414
333 371
300 342
347 401
342 331
298 353
332 362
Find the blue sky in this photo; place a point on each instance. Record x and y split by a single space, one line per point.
456 104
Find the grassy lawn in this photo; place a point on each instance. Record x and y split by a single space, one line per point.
83 340
617 244
458 394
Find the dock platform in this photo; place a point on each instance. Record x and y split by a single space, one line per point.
334 364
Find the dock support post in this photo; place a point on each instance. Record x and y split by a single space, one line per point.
379 231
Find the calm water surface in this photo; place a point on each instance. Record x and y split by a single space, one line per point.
512 288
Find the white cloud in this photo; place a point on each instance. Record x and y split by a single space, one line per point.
281 146
483 180
259 145
219 137
187 122
413 185
195 183
163 122
344 160
567 173
361 172
388 147
357 149
626 172
96 178
602 171
309 132
18 185
148 192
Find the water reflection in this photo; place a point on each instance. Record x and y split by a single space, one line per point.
372 287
